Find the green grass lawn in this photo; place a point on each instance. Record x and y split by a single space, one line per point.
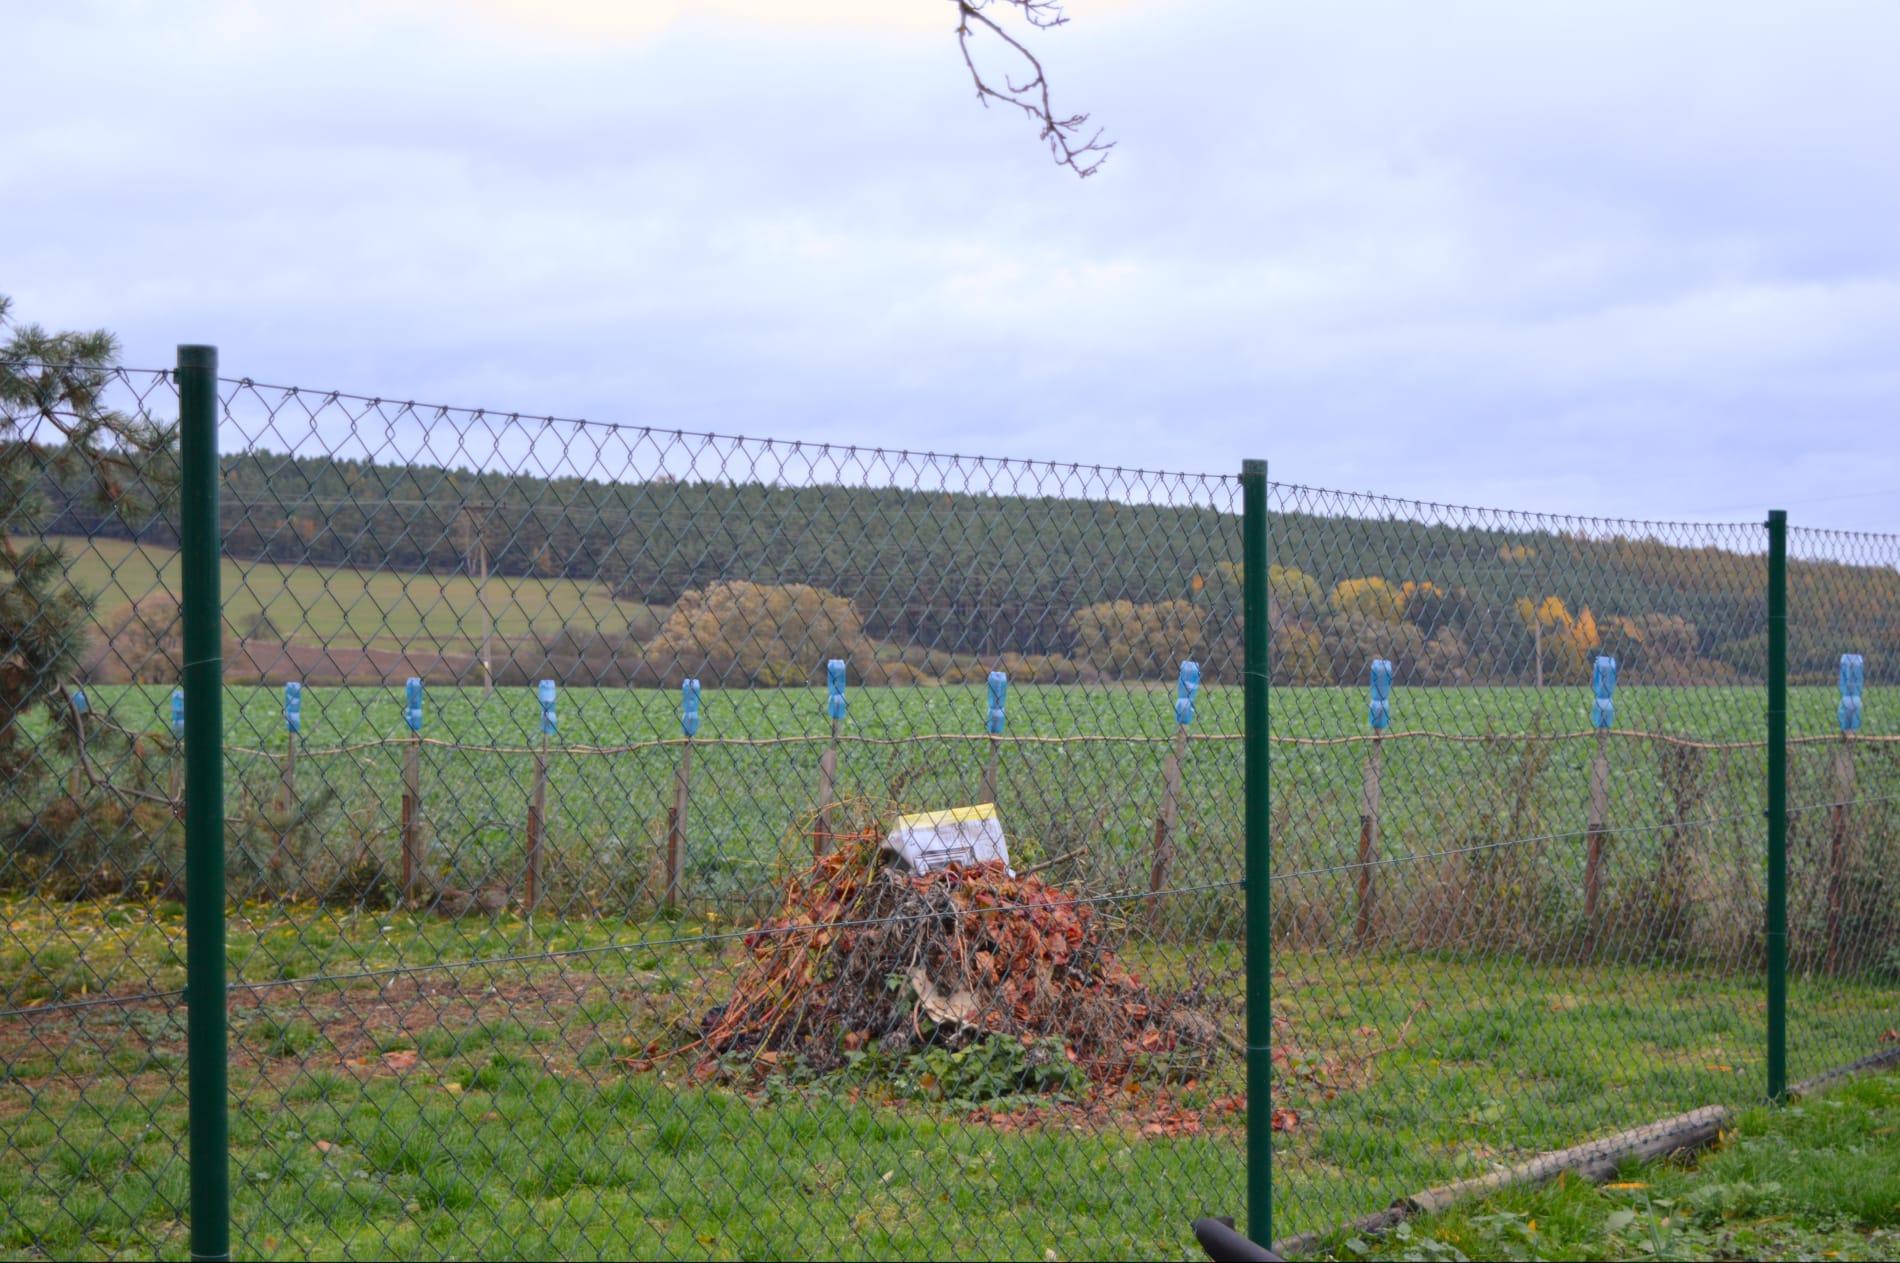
1818 1179
506 1107
487 1111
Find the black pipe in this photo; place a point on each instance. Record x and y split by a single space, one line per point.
1225 1245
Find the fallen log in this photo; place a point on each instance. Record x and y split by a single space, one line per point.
1595 1160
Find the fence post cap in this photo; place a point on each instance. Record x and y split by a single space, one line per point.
834 688
689 707
1379 705
1853 676
1185 691
1603 683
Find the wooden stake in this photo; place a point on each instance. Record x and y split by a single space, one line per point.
1168 821
1596 822
411 818
1368 837
286 795
827 789
488 619
1837 859
178 753
988 793
676 829
537 824
79 744
287 791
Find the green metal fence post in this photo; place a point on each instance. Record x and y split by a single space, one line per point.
1259 962
1777 930
205 995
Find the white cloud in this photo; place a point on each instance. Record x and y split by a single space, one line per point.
1593 258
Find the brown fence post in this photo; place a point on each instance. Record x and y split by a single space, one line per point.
78 707
537 826
293 728
412 792
1853 673
682 794
1167 821
828 761
676 828
538 802
1837 858
1603 716
1369 794
999 698
1379 716
1595 824
178 753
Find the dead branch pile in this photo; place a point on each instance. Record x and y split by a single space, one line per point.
864 958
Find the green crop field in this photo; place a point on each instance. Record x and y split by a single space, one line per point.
1079 770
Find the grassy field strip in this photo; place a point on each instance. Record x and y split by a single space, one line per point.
339 606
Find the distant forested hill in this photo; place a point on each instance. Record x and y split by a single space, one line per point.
1103 581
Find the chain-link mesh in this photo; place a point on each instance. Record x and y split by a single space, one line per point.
1517 896
559 760
590 787
92 1023
1843 798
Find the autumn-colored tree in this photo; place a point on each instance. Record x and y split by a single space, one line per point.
147 640
1372 598
1295 592
1446 659
1121 638
1655 648
1354 640
739 632
1298 657
1567 645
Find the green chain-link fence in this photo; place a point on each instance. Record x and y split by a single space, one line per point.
535 733
1518 895
558 758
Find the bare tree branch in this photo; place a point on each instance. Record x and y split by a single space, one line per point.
1031 95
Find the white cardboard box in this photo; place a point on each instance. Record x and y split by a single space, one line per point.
962 835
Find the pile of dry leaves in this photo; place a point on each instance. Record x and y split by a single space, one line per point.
863 958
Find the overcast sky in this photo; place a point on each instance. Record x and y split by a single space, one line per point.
1627 259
